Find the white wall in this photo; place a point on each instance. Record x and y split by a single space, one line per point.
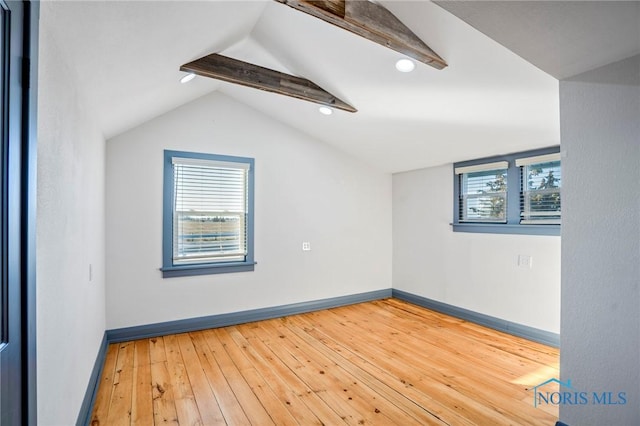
305 191
70 237
600 335
478 272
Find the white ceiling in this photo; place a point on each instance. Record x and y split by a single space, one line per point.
126 57
563 38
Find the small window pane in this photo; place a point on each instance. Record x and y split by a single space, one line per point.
540 195
484 196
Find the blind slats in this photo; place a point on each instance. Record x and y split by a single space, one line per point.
483 193
540 195
210 210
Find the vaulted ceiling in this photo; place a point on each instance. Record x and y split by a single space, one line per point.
563 38
125 57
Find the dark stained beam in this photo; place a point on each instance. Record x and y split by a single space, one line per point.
250 75
373 22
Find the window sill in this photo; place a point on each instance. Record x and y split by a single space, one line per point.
206 269
495 228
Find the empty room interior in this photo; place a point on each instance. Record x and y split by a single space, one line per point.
337 212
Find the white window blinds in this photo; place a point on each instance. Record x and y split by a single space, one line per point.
210 211
541 182
483 192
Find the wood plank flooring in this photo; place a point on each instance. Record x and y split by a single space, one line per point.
384 362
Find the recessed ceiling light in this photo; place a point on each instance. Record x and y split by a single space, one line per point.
405 65
187 78
325 110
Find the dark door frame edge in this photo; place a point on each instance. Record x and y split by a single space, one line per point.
28 208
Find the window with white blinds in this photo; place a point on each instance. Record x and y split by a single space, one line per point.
518 193
210 209
208 212
541 182
483 192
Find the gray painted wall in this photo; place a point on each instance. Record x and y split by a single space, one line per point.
600 319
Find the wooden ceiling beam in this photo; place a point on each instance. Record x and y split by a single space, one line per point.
246 74
373 22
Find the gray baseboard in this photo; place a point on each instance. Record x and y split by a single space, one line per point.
223 320
84 417
534 334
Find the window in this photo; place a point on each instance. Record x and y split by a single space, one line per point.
483 193
511 194
207 214
541 179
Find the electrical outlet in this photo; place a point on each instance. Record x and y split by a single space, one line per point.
306 246
525 261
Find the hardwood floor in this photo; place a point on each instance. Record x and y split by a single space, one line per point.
384 362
